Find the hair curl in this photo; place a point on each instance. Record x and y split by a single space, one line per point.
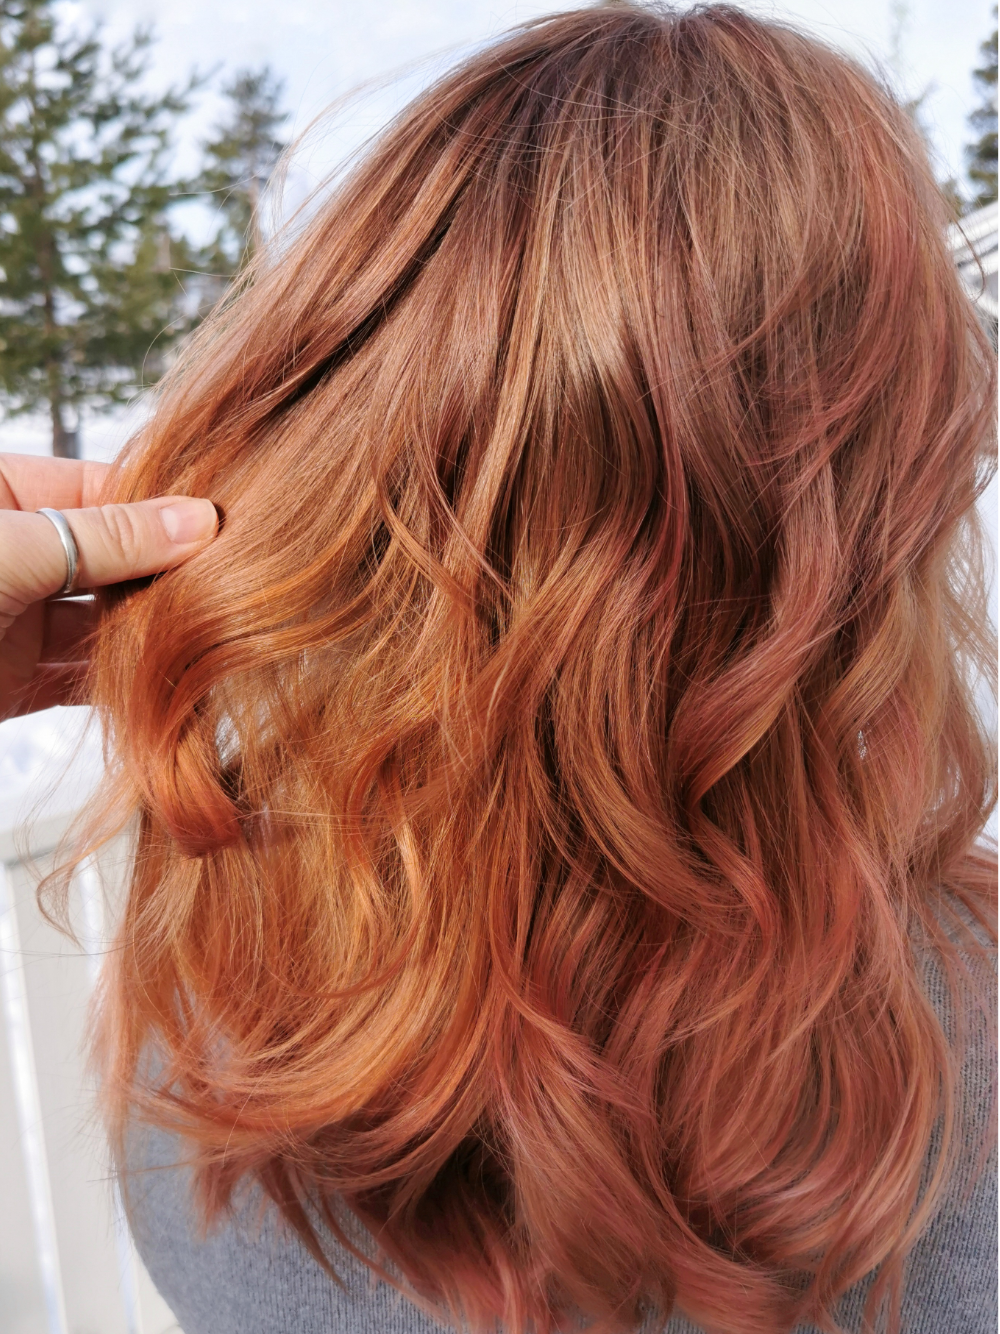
549 777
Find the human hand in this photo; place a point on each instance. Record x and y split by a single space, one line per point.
43 644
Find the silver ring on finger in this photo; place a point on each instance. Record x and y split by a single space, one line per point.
58 521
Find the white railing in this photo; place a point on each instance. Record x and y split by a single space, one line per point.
67 1265
973 243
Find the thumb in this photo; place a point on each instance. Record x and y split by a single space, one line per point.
115 542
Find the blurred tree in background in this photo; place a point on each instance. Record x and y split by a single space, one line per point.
89 300
97 279
981 155
239 162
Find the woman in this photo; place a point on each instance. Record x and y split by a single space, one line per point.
559 788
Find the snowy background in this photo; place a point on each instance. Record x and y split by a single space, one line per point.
326 51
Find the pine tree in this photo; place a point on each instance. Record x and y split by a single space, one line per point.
86 256
981 155
240 161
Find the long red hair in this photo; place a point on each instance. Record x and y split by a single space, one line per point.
548 782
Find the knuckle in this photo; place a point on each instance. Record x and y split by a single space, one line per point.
124 532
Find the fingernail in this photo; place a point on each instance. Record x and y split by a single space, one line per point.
188 520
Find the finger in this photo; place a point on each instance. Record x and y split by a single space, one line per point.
115 542
65 684
68 627
28 483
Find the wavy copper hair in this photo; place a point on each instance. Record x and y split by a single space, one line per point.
548 782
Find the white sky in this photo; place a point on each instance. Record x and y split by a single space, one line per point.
325 48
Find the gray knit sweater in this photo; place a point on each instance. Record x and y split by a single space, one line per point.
252 1276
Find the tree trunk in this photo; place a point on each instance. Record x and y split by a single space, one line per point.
65 443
